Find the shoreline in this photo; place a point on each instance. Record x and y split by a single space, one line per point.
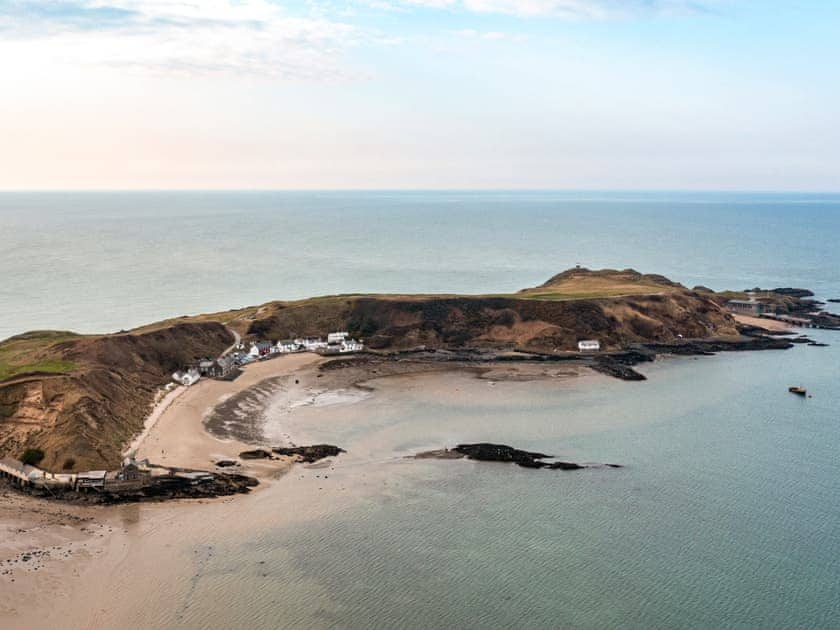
179 437
109 538
158 408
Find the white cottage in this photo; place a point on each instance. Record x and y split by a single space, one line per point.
589 345
287 345
186 377
351 345
312 344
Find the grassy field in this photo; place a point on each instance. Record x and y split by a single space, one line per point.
600 284
587 295
31 352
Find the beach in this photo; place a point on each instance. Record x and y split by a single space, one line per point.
301 548
60 548
79 551
178 437
763 322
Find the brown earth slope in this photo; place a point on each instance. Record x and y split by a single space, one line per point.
80 399
82 413
631 308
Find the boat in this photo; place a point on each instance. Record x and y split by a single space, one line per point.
799 391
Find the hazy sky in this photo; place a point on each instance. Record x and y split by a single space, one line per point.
697 94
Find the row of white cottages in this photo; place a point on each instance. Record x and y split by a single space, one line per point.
336 343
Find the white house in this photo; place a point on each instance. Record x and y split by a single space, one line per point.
343 347
186 377
589 345
337 337
312 344
259 349
286 346
351 345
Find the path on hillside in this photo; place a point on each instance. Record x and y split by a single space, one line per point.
236 340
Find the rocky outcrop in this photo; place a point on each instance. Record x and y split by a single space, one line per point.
304 454
158 488
257 453
488 452
787 291
310 454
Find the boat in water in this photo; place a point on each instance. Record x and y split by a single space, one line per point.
799 391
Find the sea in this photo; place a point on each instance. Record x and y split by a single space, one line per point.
102 262
726 513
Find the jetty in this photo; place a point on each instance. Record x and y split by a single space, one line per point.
800 322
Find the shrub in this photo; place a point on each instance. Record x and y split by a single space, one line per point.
32 456
68 464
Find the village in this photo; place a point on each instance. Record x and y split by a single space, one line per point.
137 479
227 367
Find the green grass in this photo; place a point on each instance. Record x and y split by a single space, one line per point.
43 367
33 352
593 295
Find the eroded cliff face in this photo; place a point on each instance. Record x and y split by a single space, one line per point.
525 324
82 416
82 420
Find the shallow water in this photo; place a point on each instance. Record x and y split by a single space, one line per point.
727 513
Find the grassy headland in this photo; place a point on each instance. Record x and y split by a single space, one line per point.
80 399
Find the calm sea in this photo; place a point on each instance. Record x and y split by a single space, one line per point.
101 262
727 514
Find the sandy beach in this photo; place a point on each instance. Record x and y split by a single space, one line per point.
53 547
79 552
762 322
178 436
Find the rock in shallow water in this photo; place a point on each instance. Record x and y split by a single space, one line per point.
488 452
310 454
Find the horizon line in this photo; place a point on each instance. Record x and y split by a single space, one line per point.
765 191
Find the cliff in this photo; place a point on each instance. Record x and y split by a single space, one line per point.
79 399
620 307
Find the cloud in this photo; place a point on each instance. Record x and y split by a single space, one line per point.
591 9
251 37
472 34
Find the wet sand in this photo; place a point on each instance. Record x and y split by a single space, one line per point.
179 438
44 547
101 565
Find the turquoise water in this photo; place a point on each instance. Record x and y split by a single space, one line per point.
727 514
95 262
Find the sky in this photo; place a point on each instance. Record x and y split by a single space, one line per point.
420 94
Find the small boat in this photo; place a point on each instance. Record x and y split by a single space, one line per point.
799 391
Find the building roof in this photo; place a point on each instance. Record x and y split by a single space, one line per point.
92 474
16 466
745 302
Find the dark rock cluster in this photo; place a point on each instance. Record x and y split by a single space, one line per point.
488 452
310 454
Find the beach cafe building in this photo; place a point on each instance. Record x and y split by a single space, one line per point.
745 307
